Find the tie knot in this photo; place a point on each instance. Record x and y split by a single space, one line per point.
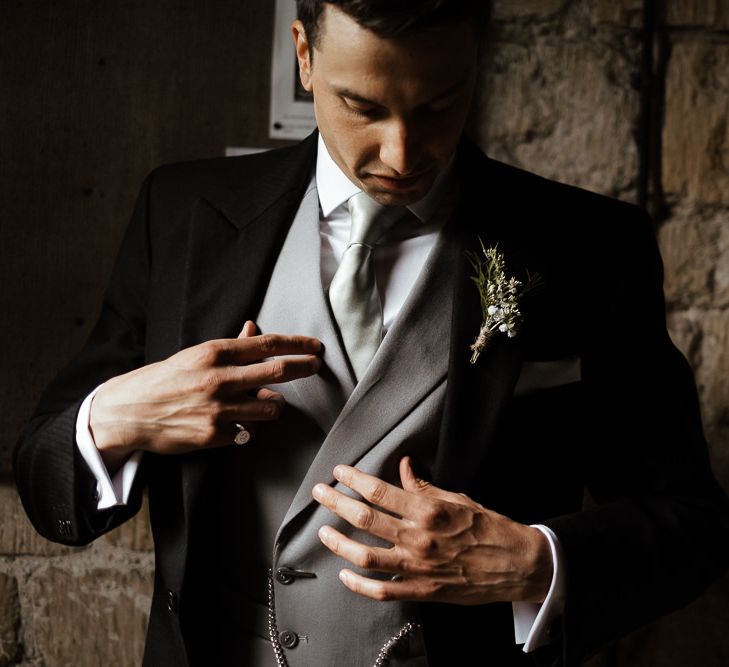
370 219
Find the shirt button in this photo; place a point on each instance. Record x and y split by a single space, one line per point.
96 494
288 639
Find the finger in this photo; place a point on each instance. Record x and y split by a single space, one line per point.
378 492
367 557
249 329
236 379
242 351
359 514
380 590
253 409
266 394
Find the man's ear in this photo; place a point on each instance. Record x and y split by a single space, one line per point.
303 53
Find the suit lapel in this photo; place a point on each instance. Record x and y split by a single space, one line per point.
233 243
477 394
410 363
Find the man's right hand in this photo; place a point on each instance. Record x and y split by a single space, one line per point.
193 399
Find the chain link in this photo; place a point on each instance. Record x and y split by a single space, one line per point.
278 651
272 628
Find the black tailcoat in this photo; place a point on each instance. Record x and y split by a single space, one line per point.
194 265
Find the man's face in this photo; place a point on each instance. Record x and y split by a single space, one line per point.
390 110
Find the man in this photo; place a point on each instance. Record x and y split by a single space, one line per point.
413 507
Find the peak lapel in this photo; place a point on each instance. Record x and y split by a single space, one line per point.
234 239
477 394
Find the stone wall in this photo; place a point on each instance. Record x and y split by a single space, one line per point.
99 97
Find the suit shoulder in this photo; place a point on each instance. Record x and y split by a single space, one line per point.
558 209
220 175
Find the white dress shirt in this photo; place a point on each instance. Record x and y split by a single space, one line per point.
398 259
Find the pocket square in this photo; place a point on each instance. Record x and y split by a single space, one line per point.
536 375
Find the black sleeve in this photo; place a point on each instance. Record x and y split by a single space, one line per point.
53 481
659 532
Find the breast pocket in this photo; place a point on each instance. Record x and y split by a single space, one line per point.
540 375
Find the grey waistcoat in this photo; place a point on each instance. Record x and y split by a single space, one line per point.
260 513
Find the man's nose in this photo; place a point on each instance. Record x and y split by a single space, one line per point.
398 150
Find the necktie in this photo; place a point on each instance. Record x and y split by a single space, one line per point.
353 293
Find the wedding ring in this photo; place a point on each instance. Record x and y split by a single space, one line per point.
243 435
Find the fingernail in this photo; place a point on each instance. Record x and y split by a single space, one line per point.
323 533
343 576
318 491
338 472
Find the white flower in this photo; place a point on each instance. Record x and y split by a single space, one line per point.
499 297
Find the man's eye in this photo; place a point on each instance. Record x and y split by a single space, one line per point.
361 109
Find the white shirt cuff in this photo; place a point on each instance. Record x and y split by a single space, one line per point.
110 491
533 620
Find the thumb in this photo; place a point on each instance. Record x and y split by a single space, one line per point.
249 329
410 481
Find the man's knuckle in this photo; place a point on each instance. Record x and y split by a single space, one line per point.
266 344
425 544
364 518
435 517
272 410
278 369
382 594
368 560
378 493
210 353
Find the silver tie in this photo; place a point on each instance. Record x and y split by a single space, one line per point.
353 291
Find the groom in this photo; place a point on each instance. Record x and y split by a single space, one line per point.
405 506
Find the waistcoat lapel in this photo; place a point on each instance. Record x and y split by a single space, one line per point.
295 303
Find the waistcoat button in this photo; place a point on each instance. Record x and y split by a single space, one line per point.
171 602
288 639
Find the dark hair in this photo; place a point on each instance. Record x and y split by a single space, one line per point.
390 18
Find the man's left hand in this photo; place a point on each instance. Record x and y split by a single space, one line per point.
445 546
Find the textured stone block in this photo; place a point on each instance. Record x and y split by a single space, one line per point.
712 14
721 270
510 9
713 373
689 246
135 534
563 108
94 618
622 12
694 635
17 535
696 131
10 647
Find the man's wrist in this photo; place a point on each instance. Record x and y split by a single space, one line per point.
113 453
540 568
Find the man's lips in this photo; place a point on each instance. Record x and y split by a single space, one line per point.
398 182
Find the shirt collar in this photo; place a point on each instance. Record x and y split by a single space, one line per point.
335 188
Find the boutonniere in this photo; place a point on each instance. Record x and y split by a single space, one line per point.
500 296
